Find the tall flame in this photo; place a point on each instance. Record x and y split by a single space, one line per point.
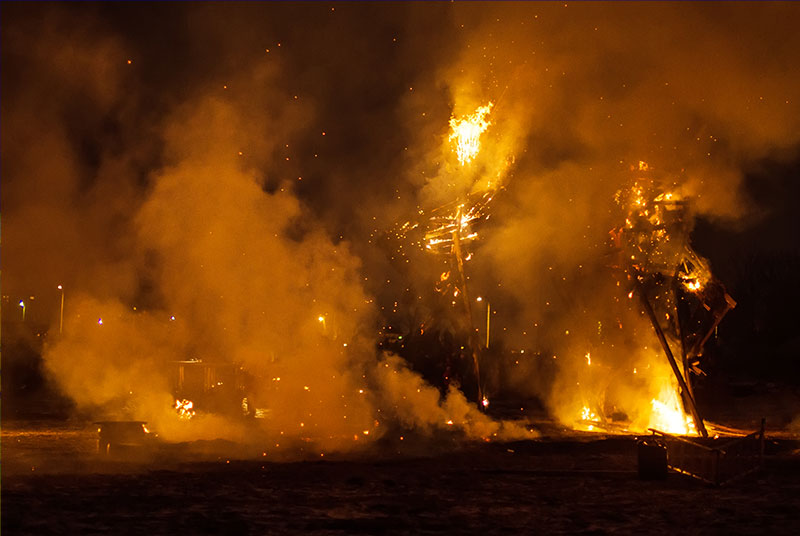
667 413
467 131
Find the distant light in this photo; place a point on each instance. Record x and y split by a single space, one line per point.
60 287
21 303
100 321
478 299
172 318
321 318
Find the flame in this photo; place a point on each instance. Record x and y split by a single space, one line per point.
667 414
692 285
587 414
185 408
467 131
588 417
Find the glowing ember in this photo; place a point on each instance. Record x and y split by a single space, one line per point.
467 132
185 408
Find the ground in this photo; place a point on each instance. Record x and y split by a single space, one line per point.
53 483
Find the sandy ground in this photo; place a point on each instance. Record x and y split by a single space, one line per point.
54 483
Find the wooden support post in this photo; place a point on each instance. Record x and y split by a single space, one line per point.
681 335
688 399
473 339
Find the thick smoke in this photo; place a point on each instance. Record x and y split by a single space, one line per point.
217 259
69 172
218 165
583 93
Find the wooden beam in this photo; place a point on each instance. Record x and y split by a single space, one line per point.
688 399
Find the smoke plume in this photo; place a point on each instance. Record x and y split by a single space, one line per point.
208 183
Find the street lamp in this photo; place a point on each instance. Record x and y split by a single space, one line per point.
61 316
324 325
22 304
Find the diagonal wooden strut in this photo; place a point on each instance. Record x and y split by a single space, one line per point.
473 342
686 395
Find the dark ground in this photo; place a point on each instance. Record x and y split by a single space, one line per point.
54 483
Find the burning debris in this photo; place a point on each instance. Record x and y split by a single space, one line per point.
185 408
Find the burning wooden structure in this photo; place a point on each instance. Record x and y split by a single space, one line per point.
449 232
682 300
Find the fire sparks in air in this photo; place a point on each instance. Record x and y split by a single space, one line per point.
466 133
453 219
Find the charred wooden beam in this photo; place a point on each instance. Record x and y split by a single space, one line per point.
686 395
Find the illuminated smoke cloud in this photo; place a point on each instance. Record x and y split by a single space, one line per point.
583 93
125 179
224 264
